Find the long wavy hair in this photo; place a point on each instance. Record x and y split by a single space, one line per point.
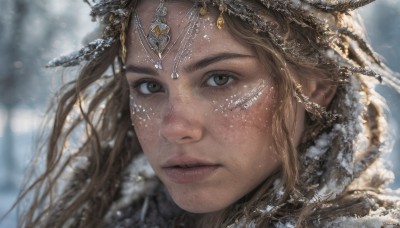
94 108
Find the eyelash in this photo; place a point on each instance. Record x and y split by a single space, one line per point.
231 79
135 86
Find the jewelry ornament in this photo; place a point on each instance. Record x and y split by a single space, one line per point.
158 37
122 38
203 9
220 19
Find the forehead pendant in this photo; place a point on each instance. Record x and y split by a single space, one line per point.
158 37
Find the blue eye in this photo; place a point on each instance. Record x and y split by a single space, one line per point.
148 87
219 80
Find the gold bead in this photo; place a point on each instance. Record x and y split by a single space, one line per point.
203 11
220 22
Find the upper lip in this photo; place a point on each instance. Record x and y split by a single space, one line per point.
186 162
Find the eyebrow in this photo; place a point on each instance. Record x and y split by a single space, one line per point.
192 67
141 70
214 59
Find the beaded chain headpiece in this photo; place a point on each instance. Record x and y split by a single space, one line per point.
158 37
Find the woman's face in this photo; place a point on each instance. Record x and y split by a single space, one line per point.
208 134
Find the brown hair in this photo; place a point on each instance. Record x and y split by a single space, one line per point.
104 117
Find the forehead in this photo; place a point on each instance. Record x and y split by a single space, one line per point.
209 39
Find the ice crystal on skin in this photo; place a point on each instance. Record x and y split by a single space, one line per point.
248 101
242 101
140 112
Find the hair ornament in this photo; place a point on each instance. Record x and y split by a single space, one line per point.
158 37
220 19
124 27
203 9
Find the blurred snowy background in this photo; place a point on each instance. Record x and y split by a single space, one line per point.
32 32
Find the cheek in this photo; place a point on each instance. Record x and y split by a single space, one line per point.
145 118
247 121
236 120
146 137
146 124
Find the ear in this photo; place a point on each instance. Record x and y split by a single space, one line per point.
321 91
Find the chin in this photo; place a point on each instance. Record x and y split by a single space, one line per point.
198 205
195 209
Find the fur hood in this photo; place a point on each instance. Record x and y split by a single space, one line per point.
146 203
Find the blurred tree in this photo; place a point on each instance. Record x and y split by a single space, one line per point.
29 33
383 34
12 81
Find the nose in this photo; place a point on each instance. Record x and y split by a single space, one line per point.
181 122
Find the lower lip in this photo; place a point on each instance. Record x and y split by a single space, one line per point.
190 175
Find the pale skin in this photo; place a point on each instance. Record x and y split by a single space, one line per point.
204 144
